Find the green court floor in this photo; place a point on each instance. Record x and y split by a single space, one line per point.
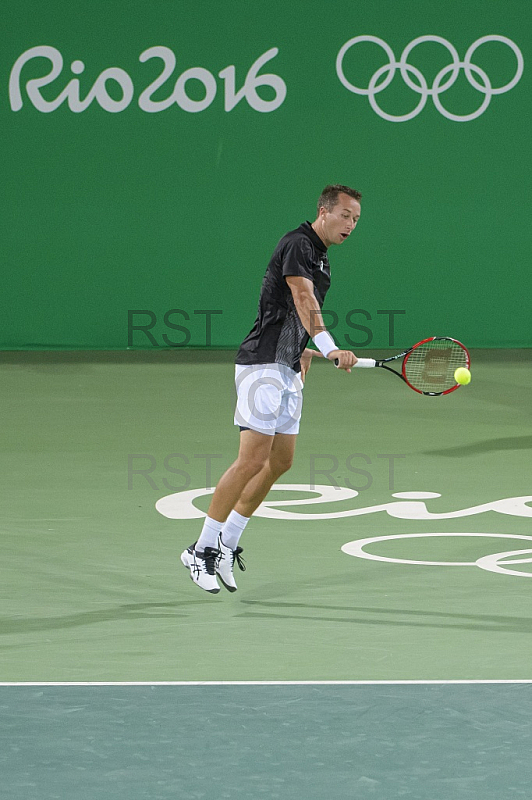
397 548
92 583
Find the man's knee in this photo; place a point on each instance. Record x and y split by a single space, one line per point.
280 464
251 465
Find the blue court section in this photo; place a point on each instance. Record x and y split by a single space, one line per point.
308 742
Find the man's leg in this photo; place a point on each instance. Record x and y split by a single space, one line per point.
279 461
203 557
253 458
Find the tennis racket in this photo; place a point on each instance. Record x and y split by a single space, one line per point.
428 366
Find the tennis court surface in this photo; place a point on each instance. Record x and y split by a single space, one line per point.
379 643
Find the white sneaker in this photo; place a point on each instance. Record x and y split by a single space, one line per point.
202 567
226 563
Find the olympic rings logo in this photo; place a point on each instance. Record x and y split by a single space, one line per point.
492 562
441 82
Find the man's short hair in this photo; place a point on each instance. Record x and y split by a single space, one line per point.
329 197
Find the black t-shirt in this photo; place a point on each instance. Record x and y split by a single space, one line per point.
278 335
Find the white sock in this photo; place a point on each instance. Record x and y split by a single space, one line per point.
209 534
233 529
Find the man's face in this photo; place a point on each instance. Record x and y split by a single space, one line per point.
340 222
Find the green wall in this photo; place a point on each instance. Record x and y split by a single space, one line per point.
147 205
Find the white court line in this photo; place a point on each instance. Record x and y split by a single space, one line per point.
265 683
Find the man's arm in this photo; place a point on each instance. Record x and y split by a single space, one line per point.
309 313
307 306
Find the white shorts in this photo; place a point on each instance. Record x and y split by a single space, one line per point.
269 398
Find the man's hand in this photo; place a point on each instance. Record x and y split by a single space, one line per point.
346 359
306 359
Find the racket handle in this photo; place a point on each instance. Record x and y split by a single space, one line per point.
362 362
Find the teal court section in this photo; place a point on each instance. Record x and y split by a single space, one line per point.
92 582
312 742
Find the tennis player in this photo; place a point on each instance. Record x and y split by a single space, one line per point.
270 369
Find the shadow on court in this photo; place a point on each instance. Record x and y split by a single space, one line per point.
10 625
390 617
489 445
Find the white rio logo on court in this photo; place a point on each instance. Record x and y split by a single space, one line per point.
445 78
492 562
407 506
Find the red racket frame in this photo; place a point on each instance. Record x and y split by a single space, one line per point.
431 339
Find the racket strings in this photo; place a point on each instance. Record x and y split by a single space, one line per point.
431 365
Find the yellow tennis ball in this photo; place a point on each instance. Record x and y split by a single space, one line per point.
462 376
